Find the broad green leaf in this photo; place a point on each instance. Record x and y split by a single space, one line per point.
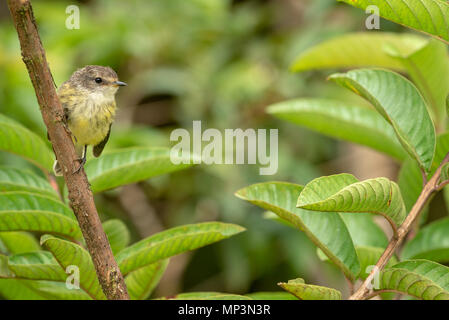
365 233
401 104
141 283
172 242
361 49
52 290
5 271
410 182
368 257
303 291
441 150
127 166
344 193
15 179
14 289
23 211
431 242
429 70
207 296
117 233
273 216
341 120
326 230
428 16
422 279
271 296
18 289
18 242
17 139
410 178
40 265
363 230
70 254
447 105
22 200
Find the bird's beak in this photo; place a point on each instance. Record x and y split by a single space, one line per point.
119 83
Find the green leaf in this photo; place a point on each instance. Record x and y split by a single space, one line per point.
410 182
52 290
361 49
13 289
40 265
172 242
344 193
368 257
127 166
117 233
207 296
271 296
19 289
428 16
401 104
326 230
422 279
70 254
447 105
18 242
15 179
141 283
5 272
441 150
410 177
22 211
429 70
303 291
363 230
431 242
341 120
17 139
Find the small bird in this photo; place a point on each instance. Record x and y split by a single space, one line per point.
88 100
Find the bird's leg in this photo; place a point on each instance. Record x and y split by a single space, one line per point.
82 160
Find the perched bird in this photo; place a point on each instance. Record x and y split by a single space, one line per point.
88 100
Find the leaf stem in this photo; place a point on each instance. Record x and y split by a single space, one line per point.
363 292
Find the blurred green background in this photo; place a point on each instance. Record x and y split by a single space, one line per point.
219 61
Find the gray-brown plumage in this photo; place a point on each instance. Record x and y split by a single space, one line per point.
88 100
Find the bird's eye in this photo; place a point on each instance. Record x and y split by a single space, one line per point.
98 80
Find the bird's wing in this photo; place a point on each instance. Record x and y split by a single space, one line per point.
99 147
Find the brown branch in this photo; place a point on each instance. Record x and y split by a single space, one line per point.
80 195
429 189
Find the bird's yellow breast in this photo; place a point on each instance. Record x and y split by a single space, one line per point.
88 115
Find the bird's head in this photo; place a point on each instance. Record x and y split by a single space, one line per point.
97 79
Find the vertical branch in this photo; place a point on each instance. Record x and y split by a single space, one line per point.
80 195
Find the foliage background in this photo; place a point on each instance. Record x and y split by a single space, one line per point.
222 62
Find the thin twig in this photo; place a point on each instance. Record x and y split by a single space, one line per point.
442 185
424 176
80 195
429 189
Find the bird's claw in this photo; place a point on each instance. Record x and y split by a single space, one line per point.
82 162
